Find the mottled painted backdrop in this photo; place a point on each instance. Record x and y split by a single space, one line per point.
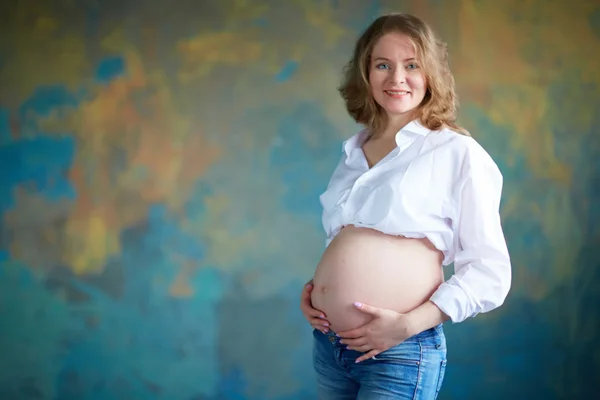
160 171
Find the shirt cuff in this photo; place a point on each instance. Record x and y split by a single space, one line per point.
454 301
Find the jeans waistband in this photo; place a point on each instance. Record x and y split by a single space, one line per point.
431 332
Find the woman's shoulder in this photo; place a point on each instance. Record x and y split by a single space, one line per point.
464 147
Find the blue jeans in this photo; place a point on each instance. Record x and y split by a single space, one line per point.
412 370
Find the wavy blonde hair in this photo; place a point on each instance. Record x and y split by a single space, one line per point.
439 106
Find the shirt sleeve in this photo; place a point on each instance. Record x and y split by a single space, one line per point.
482 267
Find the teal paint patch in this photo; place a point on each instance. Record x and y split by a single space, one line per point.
246 335
5 131
37 162
208 285
287 72
145 329
509 356
40 164
233 385
262 22
46 99
306 134
37 326
109 69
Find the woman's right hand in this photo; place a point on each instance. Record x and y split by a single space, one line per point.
316 318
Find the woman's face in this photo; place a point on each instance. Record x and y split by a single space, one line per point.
397 82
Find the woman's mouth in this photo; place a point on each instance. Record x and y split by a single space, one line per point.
397 93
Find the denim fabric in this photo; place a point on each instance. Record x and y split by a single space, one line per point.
412 370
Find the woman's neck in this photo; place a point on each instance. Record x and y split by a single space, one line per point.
396 123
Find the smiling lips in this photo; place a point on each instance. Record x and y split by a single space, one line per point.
397 94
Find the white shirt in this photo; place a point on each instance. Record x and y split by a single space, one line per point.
435 184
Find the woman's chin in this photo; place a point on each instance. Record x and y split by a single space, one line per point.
401 115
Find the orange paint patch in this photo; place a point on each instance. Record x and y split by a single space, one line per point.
181 286
134 148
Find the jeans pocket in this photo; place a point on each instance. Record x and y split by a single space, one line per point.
441 375
408 353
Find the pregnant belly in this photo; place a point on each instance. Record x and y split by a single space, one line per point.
367 266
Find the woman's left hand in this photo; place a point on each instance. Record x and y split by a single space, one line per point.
387 329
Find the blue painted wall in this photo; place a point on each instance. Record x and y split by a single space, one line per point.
160 171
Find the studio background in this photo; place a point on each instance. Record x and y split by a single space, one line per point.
160 171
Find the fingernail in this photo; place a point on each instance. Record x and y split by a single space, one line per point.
357 304
308 286
325 324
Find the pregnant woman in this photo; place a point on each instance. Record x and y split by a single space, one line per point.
413 192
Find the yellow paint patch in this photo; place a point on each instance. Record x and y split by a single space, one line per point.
90 244
243 10
115 41
208 51
528 106
322 16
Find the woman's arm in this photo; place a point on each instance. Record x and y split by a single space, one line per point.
482 267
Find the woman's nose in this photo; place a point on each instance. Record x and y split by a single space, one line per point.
398 75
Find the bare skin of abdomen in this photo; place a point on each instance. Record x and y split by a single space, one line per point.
380 270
